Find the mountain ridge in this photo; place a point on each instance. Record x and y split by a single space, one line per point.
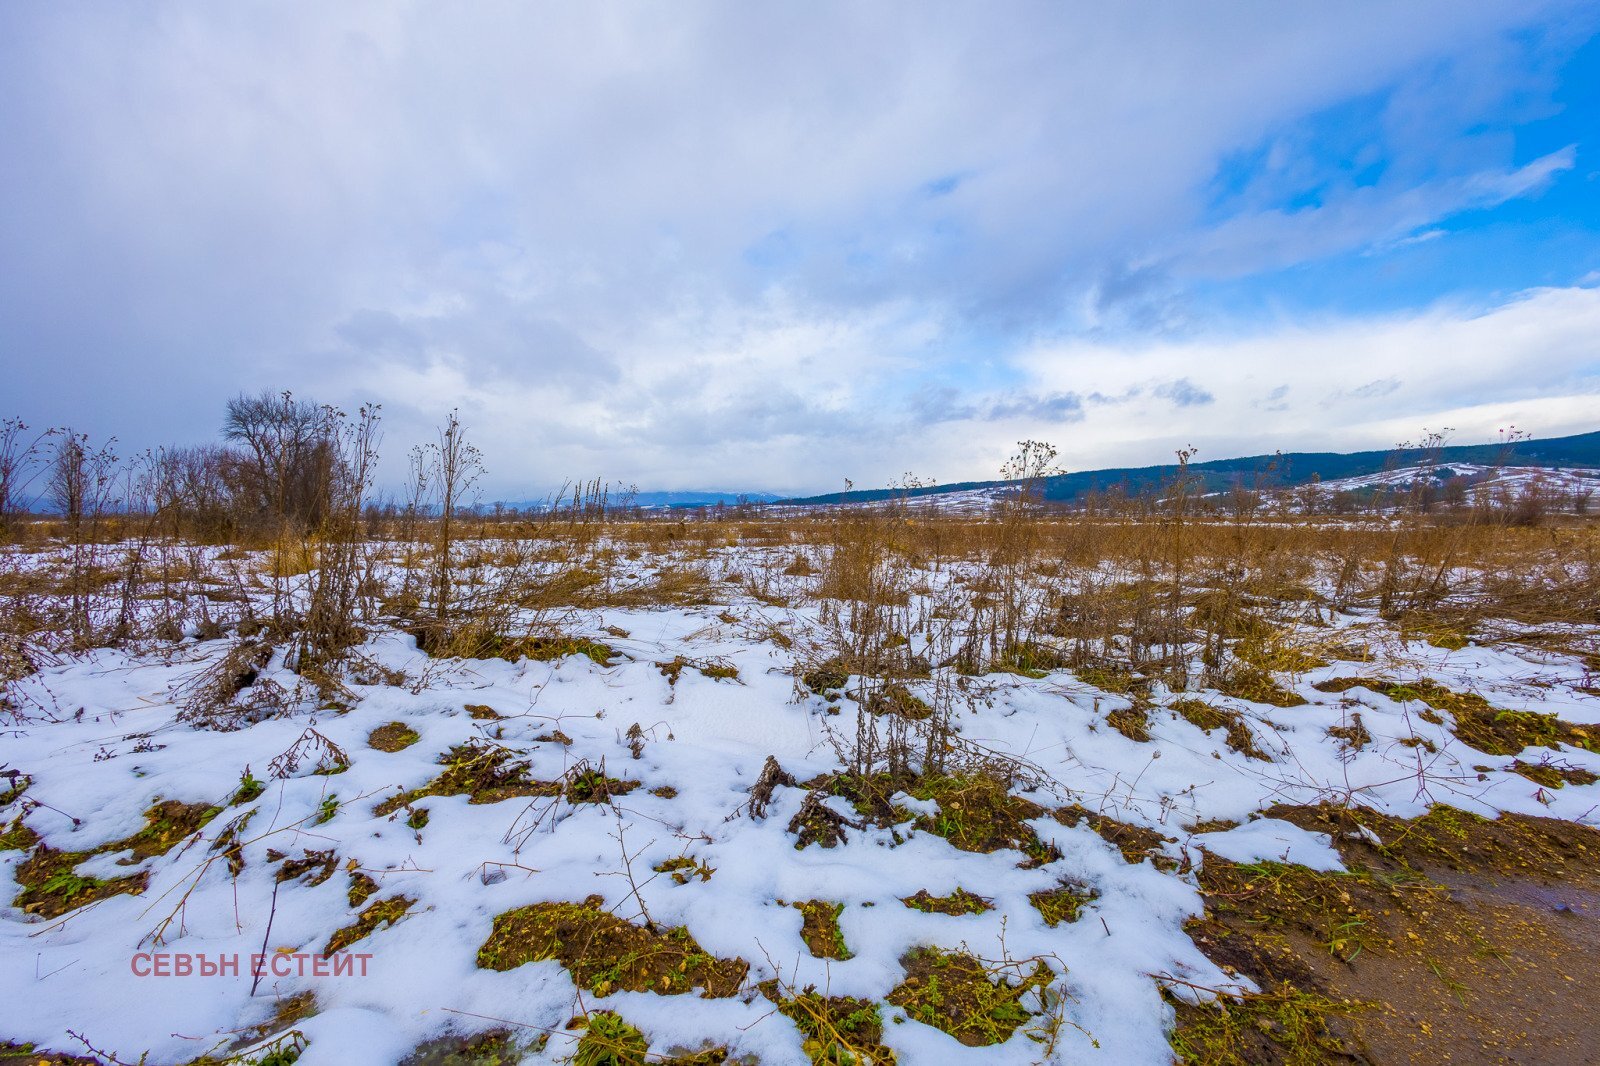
1279 470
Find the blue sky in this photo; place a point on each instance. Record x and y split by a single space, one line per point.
775 246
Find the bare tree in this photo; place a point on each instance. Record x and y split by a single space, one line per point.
285 467
19 466
454 467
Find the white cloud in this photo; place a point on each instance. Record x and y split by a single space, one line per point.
699 243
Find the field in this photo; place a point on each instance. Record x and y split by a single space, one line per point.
849 785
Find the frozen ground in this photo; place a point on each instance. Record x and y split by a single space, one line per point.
98 739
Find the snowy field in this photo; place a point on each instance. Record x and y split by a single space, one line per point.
623 769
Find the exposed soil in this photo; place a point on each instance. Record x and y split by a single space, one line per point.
1455 940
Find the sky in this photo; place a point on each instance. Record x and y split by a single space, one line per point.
775 246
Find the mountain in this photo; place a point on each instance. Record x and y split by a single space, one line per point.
1268 471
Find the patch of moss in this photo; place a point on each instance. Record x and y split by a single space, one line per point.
482 712
384 912
604 953
51 887
958 902
1064 903
835 1030
956 993
1477 723
32 1055
820 930
978 813
482 771
547 648
362 888
1285 1026
166 824
18 837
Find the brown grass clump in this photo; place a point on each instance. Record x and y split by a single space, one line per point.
1256 685
603 953
1132 722
1207 717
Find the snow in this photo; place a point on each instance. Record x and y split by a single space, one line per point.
77 737
1272 840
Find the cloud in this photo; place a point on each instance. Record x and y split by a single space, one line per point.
724 244
1183 393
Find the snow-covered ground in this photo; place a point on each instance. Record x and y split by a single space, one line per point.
99 739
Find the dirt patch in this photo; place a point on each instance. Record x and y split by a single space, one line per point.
604 953
1552 776
1452 938
978 813
51 887
820 928
396 736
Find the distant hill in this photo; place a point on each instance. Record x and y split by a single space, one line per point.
706 498
1267 471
